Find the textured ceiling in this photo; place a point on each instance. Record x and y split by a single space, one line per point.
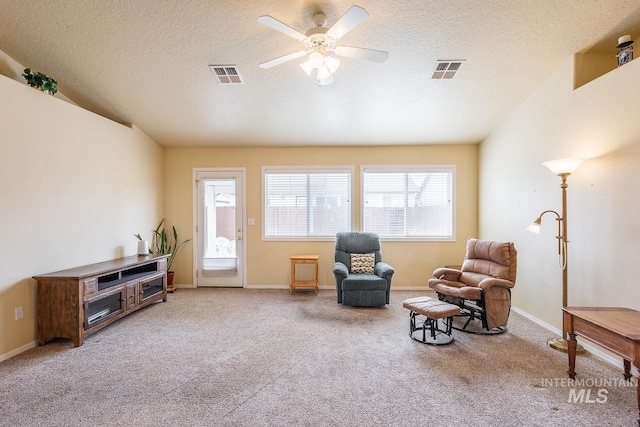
146 62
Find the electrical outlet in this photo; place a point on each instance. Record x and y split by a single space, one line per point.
19 313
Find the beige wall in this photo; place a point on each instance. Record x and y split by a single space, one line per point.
74 189
268 261
598 121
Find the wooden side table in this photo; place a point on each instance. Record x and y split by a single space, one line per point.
304 259
615 328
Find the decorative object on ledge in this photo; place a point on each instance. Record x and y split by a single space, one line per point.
163 243
40 81
563 168
626 50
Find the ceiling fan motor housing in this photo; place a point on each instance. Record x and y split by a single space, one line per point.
317 39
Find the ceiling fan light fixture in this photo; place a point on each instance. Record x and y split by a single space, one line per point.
326 66
325 76
320 40
328 79
324 72
307 67
332 63
316 59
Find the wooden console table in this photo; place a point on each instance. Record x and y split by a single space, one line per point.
80 301
614 328
304 259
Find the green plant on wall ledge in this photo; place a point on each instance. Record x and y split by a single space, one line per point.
164 243
40 81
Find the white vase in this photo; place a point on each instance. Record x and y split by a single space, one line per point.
143 247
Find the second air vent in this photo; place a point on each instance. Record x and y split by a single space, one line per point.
447 69
226 74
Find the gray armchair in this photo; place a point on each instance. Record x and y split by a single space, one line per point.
362 279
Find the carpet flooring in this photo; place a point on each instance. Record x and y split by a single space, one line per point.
245 357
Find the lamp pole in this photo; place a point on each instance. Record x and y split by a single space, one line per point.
563 168
561 343
565 242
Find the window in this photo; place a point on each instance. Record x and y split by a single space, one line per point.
306 202
408 202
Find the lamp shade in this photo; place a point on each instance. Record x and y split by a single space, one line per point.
563 166
534 227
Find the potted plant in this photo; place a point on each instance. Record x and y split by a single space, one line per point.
40 81
165 243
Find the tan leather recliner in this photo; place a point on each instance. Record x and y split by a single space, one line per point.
482 287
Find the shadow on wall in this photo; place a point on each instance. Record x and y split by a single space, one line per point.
605 229
10 68
609 183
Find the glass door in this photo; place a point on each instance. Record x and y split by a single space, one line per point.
219 232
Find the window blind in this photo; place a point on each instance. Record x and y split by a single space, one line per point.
306 203
408 202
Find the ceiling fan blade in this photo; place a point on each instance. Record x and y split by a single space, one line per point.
283 28
283 59
362 53
347 22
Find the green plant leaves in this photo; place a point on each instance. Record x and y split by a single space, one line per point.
163 243
40 81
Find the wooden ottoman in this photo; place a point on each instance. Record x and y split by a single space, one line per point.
433 310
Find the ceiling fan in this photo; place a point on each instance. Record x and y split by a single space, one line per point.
320 41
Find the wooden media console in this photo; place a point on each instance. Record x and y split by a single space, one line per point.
77 302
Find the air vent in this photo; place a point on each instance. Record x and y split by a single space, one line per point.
446 69
226 74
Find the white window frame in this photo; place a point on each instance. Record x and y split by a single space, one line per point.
446 168
305 170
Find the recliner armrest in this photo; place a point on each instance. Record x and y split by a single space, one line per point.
382 269
341 269
486 284
447 274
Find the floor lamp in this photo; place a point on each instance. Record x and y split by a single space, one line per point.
563 168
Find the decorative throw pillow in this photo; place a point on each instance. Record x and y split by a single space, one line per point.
362 263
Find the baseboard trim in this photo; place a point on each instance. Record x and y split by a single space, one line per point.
274 287
17 351
596 350
184 286
545 325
